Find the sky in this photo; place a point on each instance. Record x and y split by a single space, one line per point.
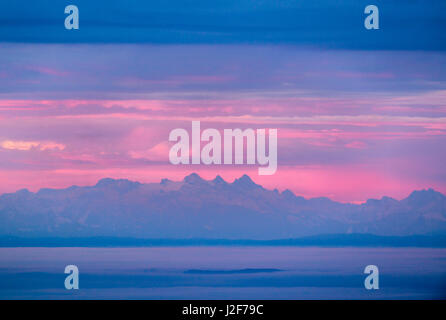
360 114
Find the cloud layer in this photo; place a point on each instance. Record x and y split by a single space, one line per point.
351 125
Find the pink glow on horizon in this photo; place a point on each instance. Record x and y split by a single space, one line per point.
345 184
351 125
58 143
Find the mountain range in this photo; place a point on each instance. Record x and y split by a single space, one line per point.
210 209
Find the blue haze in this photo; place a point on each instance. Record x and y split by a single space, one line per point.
222 273
404 25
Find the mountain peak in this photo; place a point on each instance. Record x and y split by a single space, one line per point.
288 194
424 196
245 178
245 181
193 178
219 180
165 181
23 191
117 183
104 182
425 193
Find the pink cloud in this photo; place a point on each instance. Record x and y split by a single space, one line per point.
49 71
356 145
159 152
127 138
28 145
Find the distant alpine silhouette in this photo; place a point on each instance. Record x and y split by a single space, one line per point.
209 209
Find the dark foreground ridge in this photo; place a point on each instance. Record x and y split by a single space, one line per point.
334 240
